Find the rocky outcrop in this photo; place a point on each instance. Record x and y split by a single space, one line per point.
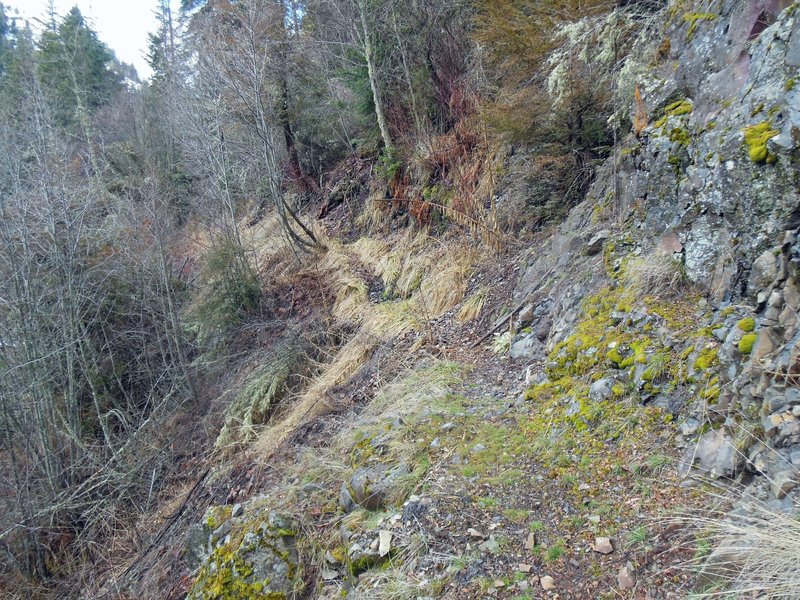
717 166
713 184
245 552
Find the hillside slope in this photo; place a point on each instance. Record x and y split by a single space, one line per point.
643 367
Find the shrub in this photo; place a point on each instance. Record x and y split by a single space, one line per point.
232 289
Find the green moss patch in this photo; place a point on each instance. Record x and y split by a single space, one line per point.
756 138
747 324
230 572
679 108
747 342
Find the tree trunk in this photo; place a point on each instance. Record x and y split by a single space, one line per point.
374 84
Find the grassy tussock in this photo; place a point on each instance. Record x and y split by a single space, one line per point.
757 555
473 306
259 396
656 274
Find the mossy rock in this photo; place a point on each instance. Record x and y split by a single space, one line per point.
374 486
199 540
257 560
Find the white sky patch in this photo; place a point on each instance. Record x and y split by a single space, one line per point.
122 24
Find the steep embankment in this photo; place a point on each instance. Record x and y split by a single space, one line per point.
653 335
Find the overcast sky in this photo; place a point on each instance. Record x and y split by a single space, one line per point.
122 24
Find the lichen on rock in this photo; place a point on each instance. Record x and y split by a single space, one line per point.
257 558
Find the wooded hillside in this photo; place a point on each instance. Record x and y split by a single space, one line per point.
206 272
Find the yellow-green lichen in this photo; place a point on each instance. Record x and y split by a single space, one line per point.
748 324
747 342
712 390
756 138
694 20
790 84
679 108
229 574
707 358
217 515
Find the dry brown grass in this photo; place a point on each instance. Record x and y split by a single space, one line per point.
656 274
429 278
473 306
753 555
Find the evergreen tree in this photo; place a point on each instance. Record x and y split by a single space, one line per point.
75 68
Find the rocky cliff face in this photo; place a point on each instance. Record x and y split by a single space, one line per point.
718 164
703 203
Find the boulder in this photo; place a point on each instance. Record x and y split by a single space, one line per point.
602 389
529 347
723 564
717 454
595 244
257 560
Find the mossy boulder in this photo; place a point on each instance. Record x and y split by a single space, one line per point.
256 559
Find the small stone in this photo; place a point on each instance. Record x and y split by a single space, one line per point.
384 542
329 574
547 582
690 426
499 583
449 426
436 443
478 448
626 579
584 487
475 533
523 586
223 530
603 545
783 482
594 519
374 545
670 243
601 389
530 543
237 510
595 244
523 568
